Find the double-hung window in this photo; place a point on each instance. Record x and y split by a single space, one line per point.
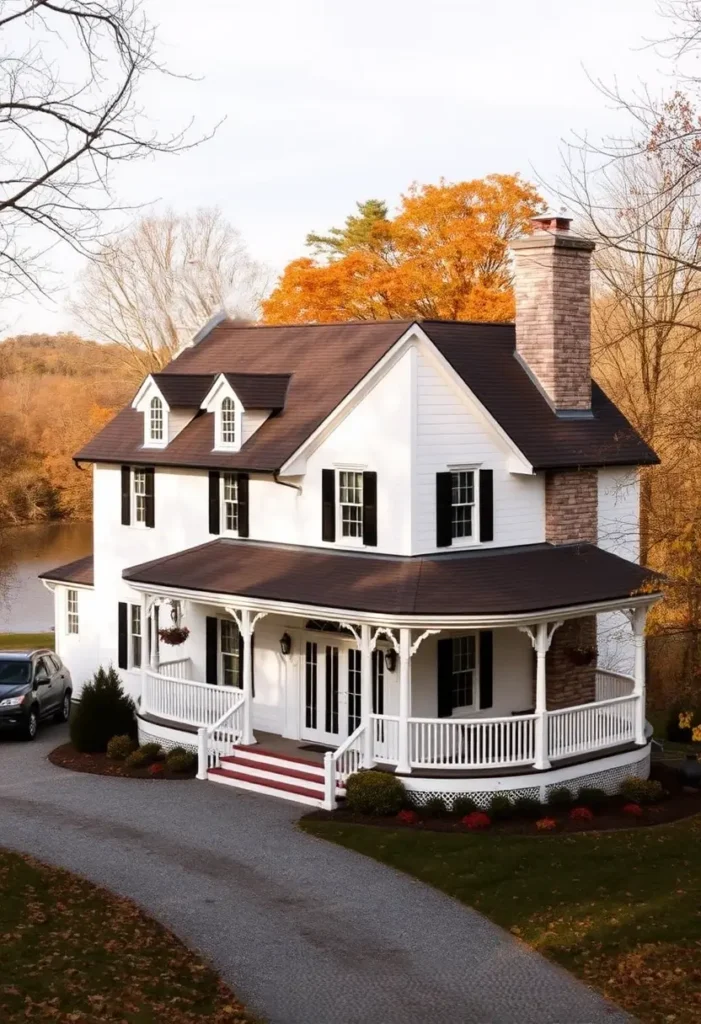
350 500
464 668
463 504
228 422
230 658
136 635
156 419
72 621
140 496
230 502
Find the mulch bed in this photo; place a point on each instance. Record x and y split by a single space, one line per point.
672 808
66 756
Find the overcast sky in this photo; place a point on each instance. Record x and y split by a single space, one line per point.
329 103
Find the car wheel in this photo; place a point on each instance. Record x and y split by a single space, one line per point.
31 725
65 711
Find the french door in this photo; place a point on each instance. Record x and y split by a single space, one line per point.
332 690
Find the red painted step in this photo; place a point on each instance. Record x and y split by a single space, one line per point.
255 749
278 769
315 794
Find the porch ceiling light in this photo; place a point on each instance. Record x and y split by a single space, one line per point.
390 660
285 643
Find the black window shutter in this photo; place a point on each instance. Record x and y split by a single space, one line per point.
253 679
212 651
328 505
149 502
243 504
123 635
370 509
214 501
486 504
126 495
486 668
444 674
444 510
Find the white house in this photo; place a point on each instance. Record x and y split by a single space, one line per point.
393 544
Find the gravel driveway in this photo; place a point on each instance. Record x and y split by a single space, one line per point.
304 931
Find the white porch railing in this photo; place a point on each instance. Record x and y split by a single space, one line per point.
591 727
471 743
185 701
341 763
385 738
176 668
219 739
613 684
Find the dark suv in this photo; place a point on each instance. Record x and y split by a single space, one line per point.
33 685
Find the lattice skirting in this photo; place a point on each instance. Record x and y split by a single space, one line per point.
606 773
166 737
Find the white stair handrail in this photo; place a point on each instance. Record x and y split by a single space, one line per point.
206 749
341 763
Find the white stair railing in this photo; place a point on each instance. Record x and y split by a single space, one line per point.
589 727
340 764
219 739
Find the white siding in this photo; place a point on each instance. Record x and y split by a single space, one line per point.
619 532
451 433
78 650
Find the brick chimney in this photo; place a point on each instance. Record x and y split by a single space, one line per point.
553 312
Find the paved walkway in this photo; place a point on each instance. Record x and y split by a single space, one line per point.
304 931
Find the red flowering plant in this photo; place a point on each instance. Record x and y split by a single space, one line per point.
581 814
174 635
408 817
156 769
633 810
546 824
477 821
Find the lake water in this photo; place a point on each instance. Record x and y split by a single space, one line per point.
25 603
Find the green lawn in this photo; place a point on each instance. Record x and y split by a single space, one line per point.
73 952
25 641
621 909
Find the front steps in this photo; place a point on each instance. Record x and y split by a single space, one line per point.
283 776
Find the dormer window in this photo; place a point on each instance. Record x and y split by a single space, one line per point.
156 419
228 422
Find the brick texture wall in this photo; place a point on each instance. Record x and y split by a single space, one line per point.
553 314
571 506
568 682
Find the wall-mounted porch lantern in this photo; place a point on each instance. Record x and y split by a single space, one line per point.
285 643
390 660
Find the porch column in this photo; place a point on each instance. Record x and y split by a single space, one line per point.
366 695
153 637
143 701
403 765
245 626
542 643
637 620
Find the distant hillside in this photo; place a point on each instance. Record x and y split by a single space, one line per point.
55 392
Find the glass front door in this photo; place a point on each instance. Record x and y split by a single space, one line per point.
331 688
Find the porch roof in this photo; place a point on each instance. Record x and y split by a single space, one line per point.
79 572
500 581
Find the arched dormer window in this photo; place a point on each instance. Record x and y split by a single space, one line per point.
156 419
228 422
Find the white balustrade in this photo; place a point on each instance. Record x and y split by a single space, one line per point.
183 700
219 739
385 738
471 742
177 668
590 727
610 685
340 764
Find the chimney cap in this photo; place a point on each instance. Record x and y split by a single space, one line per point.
552 220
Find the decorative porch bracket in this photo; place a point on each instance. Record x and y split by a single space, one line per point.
541 638
246 624
637 618
386 632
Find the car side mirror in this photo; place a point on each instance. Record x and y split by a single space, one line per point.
41 679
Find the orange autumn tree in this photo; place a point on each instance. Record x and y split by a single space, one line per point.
444 255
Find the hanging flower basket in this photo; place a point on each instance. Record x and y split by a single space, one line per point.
174 635
581 655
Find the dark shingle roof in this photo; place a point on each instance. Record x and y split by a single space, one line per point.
497 582
260 390
80 571
185 391
326 361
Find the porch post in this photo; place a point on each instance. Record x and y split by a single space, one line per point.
144 626
245 626
403 765
366 695
153 637
542 643
637 619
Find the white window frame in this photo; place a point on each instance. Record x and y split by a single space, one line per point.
233 655
156 417
461 710
474 535
138 523
72 613
223 502
133 635
344 538
220 443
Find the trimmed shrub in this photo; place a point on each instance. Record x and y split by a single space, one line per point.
559 797
150 753
641 791
589 796
103 711
546 824
581 814
120 747
477 821
463 805
370 792
633 810
435 807
500 808
408 817
176 752
528 807
184 762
